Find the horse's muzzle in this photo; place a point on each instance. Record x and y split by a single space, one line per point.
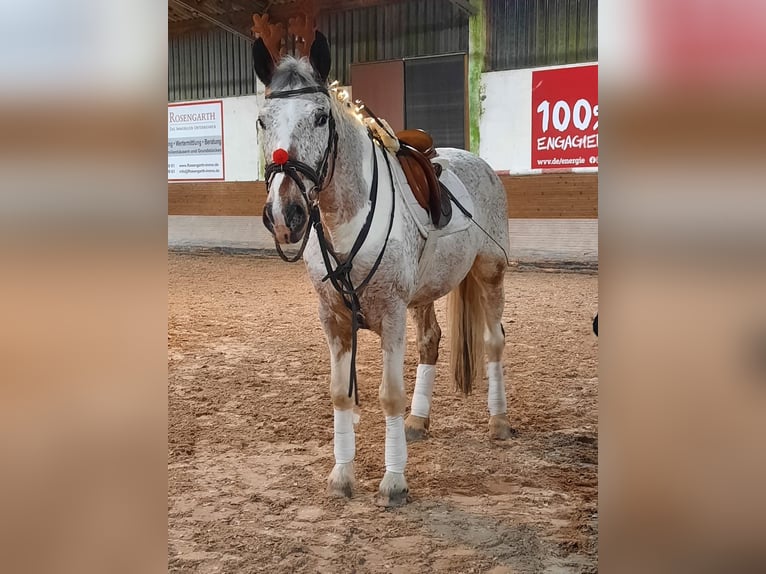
294 225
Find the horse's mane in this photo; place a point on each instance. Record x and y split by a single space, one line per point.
293 73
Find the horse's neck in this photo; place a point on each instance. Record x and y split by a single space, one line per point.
344 204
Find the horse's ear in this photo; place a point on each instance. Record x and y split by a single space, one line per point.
320 55
263 62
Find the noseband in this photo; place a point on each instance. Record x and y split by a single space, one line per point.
340 276
292 168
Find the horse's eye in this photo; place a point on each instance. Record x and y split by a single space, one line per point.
321 119
261 124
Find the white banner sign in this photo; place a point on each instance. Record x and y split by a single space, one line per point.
195 141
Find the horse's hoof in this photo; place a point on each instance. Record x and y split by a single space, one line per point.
393 490
340 483
500 427
416 428
393 500
340 490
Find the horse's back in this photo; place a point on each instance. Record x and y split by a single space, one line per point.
455 253
484 187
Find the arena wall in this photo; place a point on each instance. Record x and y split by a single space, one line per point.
553 215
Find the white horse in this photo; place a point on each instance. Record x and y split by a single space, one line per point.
326 170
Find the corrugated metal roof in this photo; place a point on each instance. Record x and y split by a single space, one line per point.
215 64
419 28
521 34
533 33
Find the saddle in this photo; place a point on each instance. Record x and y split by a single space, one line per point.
416 150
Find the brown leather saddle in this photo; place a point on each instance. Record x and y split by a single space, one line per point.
416 150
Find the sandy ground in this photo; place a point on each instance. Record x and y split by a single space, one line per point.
250 436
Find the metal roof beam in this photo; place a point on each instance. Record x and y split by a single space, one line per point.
465 6
213 20
238 20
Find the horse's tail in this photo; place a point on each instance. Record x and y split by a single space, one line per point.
466 327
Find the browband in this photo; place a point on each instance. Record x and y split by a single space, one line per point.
298 92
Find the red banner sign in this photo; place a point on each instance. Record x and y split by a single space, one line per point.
565 118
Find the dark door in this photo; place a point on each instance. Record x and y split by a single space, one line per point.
435 98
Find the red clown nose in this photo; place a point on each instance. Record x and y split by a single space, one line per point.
279 156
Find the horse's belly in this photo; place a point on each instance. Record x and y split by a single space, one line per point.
445 267
450 252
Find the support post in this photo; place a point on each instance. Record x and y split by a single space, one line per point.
477 50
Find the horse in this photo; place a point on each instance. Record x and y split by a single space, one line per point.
373 256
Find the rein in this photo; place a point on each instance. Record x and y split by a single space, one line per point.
340 277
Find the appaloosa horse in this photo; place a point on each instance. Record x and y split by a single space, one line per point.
374 254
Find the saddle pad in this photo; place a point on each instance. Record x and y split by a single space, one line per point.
459 221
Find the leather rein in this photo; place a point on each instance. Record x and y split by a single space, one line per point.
340 276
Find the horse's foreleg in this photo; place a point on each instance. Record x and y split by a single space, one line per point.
393 488
341 479
429 335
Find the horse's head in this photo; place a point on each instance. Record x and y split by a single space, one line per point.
296 131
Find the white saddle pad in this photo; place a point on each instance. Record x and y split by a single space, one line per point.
459 222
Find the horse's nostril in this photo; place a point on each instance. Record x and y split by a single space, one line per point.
268 217
295 216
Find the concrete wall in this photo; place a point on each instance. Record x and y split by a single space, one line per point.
240 138
532 240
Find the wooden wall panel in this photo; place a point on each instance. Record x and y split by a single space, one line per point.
552 196
546 196
217 198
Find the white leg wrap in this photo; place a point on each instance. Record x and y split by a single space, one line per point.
424 387
496 394
396 445
345 439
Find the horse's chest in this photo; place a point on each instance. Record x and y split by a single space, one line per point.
377 299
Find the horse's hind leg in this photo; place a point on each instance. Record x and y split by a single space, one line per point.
429 335
490 273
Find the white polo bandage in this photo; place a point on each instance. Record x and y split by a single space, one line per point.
496 393
424 388
396 445
345 439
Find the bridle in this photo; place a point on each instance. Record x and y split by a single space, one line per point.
340 276
292 167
